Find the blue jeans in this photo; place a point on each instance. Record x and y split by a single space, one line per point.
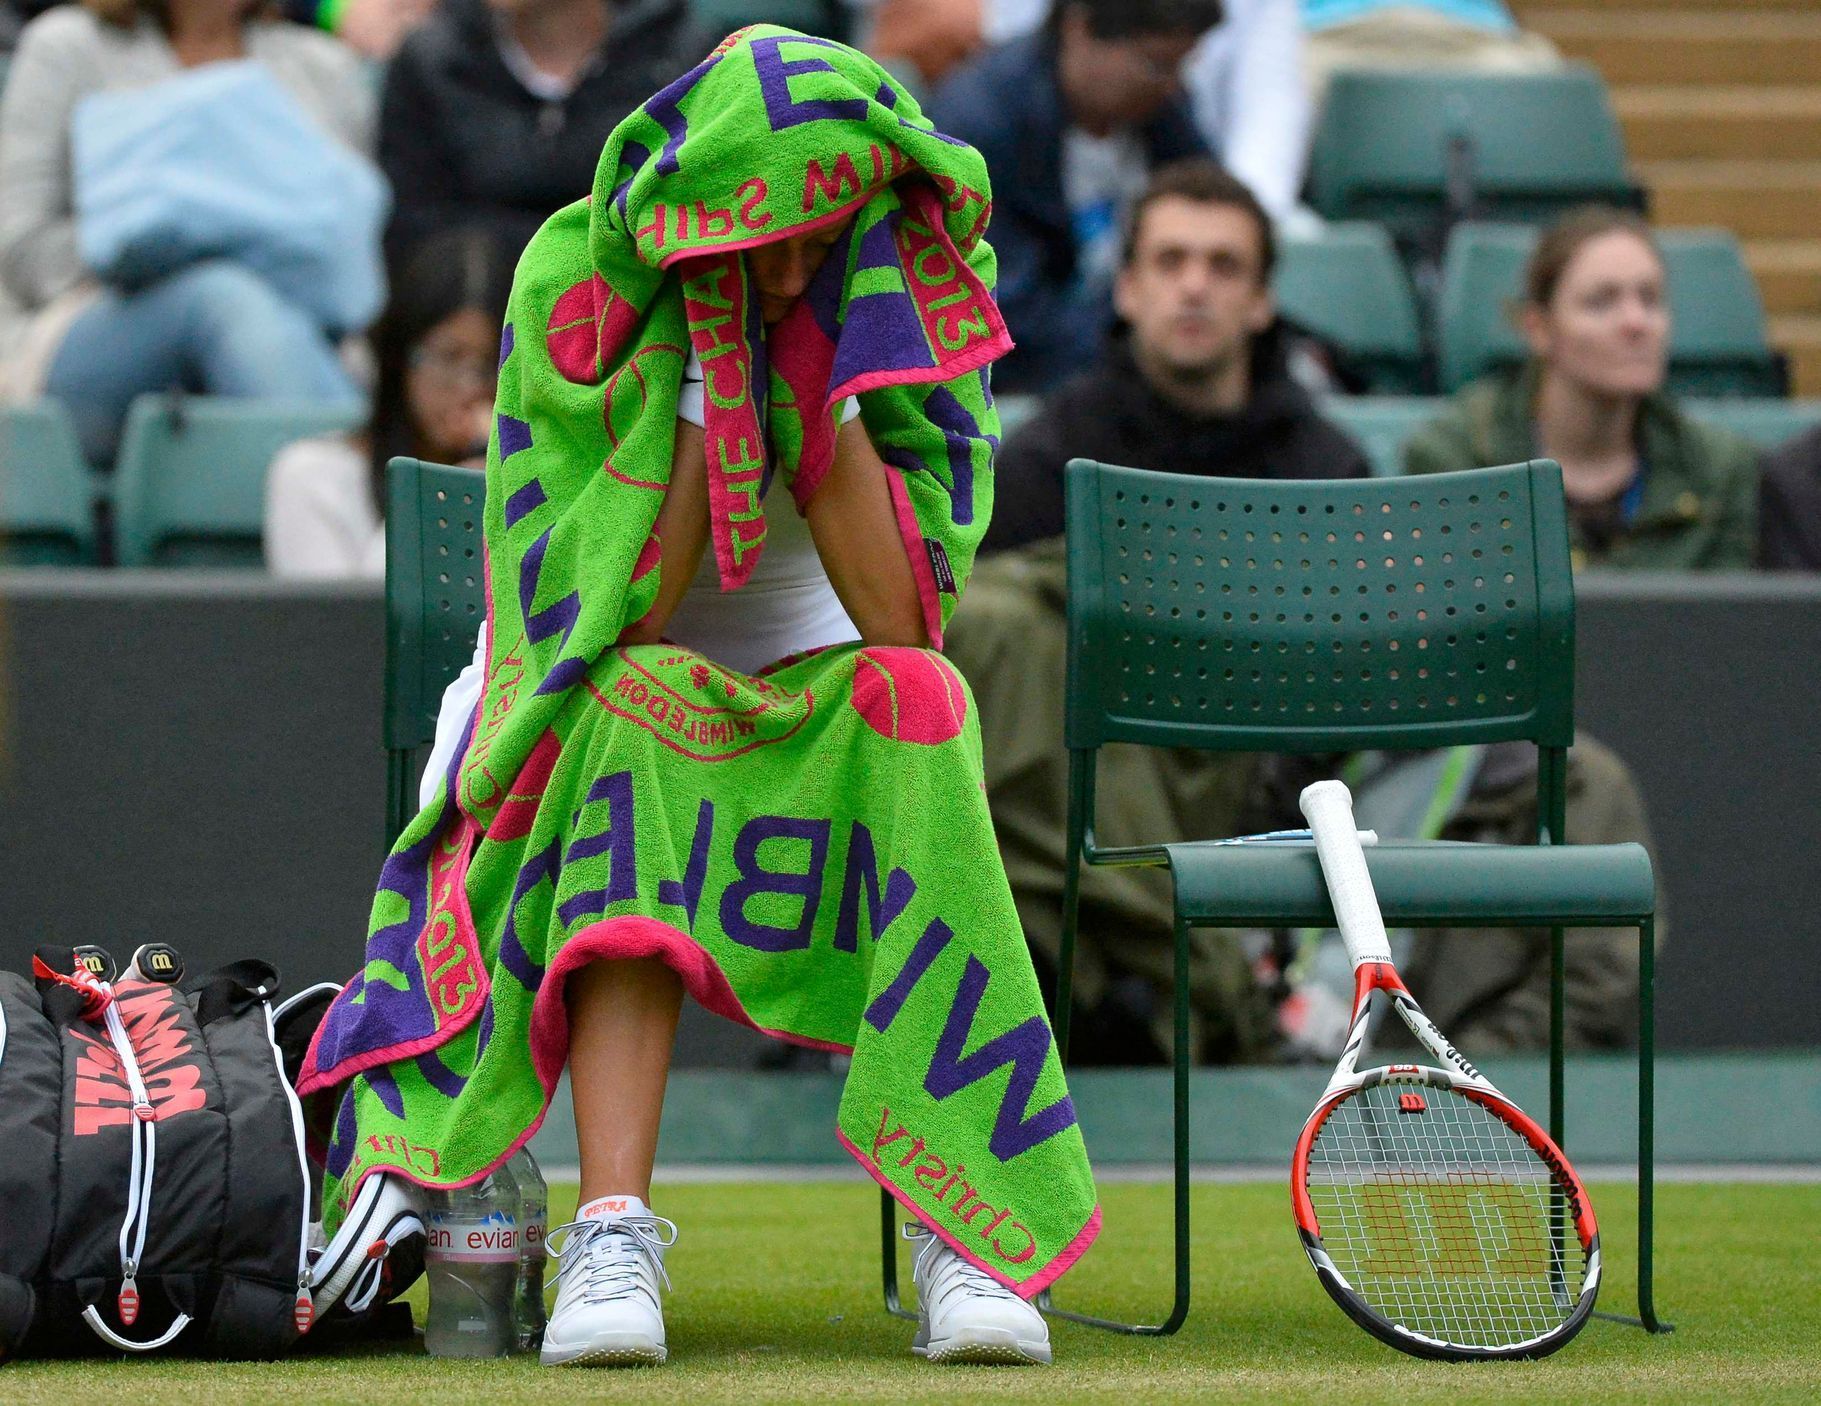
215 328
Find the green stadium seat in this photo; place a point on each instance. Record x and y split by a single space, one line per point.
190 483
1347 286
1529 146
1718 344
47 513
1382 424
823 17
1766 423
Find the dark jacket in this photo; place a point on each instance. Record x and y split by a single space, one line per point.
1790 506
464 142
1699 509
1111 414
1005 101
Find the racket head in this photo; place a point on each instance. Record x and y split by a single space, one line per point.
1442 1219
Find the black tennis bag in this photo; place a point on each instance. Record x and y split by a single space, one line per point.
154 1183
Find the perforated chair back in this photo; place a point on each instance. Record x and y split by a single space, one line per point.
191 478
1540 142
1382 424
1346 285
46 509
1719 343
435 603
1254 615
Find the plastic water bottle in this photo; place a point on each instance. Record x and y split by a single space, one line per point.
472 1262
534 1221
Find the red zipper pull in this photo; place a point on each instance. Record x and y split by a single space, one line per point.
303 1311
128 1301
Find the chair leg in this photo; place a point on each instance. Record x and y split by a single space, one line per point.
888 1255
1179 1308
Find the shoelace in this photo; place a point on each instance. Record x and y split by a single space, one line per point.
959 1276
606 1257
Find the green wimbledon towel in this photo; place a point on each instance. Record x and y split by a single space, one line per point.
809 848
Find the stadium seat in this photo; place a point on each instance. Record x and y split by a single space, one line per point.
1718 343
1766 423
1382 424
823 17
46 509
1347 286
190 481
435 601
1407 148
1155 660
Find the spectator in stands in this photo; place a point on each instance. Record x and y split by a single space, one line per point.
436 352
495 111
1198 382
1070 119
1472 34
1647 486
213 325
1244 80
1195 385
1790 506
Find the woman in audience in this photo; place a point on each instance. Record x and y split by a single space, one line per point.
213 325
437 349
1648 487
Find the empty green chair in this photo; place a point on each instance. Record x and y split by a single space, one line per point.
189 487
1766 423
46 510
435 603
821 17
1407 147
1323 616
1718 342
1382 424
1346 285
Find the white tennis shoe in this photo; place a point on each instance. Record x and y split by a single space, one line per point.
966 1315
611 1259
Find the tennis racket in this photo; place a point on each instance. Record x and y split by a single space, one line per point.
1436 1213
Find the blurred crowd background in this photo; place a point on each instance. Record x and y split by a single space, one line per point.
249 252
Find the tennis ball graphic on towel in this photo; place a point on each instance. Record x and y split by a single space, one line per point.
909 695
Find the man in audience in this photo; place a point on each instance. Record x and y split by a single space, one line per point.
1195 385
1070 119
1789 506
495 111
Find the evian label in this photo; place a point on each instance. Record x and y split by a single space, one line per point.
493 1237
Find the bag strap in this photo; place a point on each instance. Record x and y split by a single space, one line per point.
91 1317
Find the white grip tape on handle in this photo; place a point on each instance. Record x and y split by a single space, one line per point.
1329 808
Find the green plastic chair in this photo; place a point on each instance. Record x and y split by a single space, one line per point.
1407 148
1766 423
820 17
1382 424
47 515
1337 616
189 487
435 603
1718 344
1347 286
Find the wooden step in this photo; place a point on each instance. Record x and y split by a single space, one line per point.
1677 46
1798 335
1788 273
1664 120
1755 199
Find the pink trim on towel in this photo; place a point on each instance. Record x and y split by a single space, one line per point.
770 236
625 938
1026 1288
912 533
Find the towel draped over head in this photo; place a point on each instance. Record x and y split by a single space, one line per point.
809 848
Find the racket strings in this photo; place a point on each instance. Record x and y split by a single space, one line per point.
1443 1218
